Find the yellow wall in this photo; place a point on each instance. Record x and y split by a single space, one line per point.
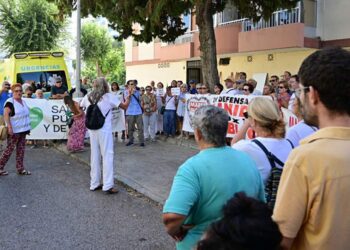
164 72
281 62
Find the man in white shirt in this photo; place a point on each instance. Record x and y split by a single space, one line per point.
294 84
231 87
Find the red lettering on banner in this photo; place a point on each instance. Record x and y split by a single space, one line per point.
228 108
242 110
232 128
250 133
292 121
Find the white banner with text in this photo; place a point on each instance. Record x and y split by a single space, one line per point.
234 105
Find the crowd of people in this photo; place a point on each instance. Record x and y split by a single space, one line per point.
279 189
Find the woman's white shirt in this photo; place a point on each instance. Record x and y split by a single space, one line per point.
106 103
279 147
20 122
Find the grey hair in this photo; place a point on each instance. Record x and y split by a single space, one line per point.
101 87
212 122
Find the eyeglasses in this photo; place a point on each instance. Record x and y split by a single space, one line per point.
281 87
17 91
272 80
299 90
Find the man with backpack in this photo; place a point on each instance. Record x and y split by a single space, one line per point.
312 207
98 106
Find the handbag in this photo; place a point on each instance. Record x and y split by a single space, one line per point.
3 132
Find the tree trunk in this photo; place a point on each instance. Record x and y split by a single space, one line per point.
98 70
204 20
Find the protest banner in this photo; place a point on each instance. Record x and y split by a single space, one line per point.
48 119
235 106
175 91
118 118
160 92
193 102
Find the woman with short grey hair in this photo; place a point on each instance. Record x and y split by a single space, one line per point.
206 181
101 141
212 123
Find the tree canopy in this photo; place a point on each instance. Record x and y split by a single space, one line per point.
101 54
29 25
162 19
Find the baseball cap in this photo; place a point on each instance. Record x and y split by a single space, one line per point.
192 82
58 79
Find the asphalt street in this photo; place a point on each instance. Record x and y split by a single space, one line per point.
54 209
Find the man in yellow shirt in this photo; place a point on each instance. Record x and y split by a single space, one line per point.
313 205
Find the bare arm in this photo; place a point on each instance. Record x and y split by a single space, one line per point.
125 105
7 112
241 133
79 110
174 225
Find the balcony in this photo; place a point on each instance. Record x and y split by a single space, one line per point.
278 18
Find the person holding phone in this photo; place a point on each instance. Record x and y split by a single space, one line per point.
134 113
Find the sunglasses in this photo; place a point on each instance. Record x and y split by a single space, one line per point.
245 89
281 87
272 80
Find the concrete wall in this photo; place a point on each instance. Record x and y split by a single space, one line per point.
146 51
128 49
333 19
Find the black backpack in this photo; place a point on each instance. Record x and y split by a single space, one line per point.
273 181
94 117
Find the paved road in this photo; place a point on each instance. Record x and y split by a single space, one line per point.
54 209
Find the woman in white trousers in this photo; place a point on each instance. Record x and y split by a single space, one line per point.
101 140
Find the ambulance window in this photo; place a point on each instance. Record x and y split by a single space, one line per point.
42 76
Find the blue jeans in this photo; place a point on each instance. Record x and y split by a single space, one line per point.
169 122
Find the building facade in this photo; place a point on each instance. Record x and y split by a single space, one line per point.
273 46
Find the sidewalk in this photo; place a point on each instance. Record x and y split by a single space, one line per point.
149 170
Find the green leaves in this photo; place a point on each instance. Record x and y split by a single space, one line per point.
29 25
102 55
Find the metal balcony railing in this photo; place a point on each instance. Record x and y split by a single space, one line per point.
278 18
